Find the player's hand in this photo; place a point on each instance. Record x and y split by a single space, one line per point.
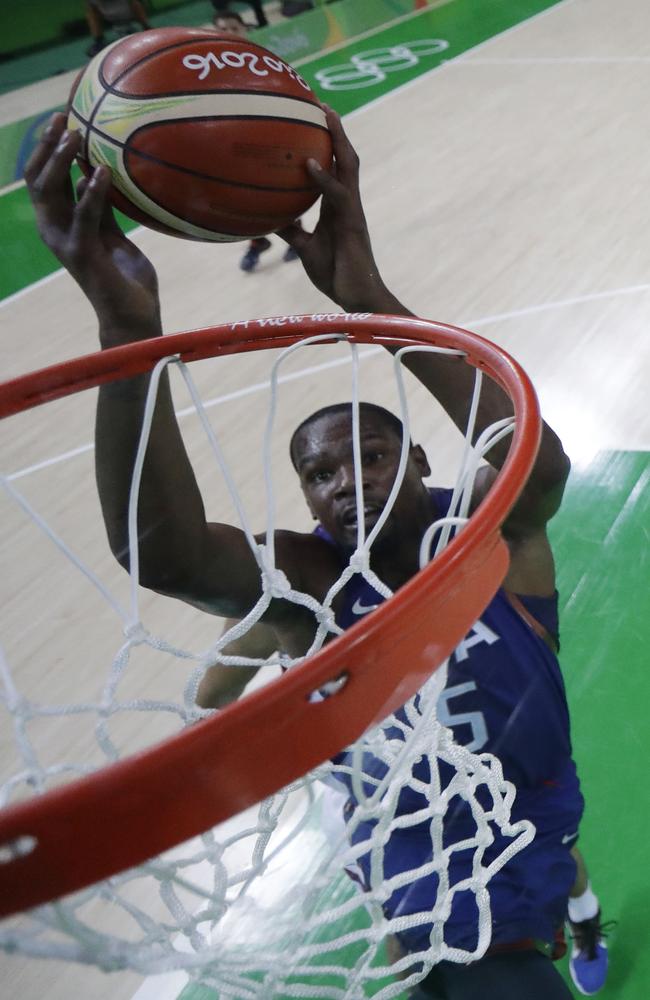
338 255
117 278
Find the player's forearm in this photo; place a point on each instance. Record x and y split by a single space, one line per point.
451 381
222 685
171 517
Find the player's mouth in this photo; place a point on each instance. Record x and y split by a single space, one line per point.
371 514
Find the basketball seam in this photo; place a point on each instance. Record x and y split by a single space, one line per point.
253 116
210 177
227 92
223 230
188 170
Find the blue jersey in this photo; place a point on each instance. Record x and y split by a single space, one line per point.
504 695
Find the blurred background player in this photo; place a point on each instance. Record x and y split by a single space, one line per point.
232 23
122 16
221 9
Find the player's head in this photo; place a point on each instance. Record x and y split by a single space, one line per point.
321 450
230 22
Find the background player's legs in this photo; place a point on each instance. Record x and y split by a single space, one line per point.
525 975
252 255
589 957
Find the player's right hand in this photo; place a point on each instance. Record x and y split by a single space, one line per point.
115 275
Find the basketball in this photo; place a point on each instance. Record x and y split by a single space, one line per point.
206 135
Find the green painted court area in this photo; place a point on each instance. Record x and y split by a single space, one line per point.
600 541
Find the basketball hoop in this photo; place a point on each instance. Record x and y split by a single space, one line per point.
130 811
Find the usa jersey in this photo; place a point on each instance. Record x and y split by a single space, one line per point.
504 695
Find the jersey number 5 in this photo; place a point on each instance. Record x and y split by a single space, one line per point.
475 720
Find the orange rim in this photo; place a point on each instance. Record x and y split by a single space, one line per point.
132 810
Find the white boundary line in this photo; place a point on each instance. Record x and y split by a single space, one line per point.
258 387
373 31
445 63
555 60
34 286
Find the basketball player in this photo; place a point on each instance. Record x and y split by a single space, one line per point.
221 9
504 692
121 15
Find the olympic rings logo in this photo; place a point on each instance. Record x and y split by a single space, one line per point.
366 69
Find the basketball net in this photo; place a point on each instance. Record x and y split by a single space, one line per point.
269 903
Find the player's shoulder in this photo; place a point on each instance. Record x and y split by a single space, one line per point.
315 562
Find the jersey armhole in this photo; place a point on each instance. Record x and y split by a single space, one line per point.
532 622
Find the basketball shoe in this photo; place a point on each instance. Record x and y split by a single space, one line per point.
589 958
251 257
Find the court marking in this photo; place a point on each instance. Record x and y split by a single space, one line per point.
373 31
257 387
553 60
462 57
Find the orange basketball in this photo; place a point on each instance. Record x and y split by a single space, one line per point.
206 135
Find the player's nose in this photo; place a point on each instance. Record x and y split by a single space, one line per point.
345 480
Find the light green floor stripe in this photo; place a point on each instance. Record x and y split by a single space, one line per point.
600 538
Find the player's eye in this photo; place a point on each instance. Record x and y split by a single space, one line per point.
317 476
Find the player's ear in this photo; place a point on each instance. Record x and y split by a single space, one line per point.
421 460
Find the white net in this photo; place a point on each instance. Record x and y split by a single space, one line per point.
296 897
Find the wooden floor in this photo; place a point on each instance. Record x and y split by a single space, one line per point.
506 192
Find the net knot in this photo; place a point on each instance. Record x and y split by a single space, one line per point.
277 583
360 561
325 616
136 633
274 580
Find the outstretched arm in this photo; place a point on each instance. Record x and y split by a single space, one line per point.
338 258
221 684
209 565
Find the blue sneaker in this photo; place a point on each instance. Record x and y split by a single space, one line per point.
589 958
290 254
251 257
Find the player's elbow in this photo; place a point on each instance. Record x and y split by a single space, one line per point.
154 570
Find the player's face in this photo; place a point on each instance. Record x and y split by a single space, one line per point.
325 462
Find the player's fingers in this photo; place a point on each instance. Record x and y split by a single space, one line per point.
108 222
51 189
295 236
80 187
345 155
46 146
92 203
327 183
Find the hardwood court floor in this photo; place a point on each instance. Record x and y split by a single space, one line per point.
507 192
